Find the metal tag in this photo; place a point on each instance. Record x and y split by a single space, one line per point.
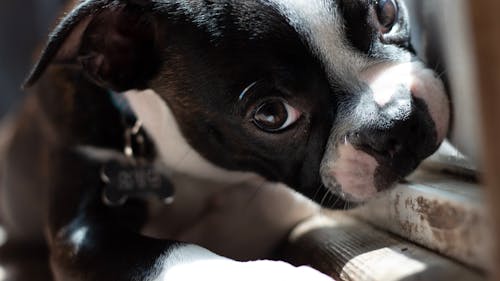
127 180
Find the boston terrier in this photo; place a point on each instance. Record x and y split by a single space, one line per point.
184 140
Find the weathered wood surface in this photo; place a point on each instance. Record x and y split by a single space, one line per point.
350 250
440 212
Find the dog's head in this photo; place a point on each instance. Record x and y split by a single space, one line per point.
323 95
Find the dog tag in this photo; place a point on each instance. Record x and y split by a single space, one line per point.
125 180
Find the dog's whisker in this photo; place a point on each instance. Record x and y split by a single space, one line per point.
318 189
324 198
335 202
321 186
331 195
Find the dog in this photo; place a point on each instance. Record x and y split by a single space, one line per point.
180 140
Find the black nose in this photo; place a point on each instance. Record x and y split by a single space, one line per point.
400 136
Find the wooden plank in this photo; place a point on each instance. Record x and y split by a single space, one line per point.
486 40
350 250
440 212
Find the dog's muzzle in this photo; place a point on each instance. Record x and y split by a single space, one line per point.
400 120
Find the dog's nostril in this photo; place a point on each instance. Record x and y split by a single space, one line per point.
382 143
392 143
393 147
389 147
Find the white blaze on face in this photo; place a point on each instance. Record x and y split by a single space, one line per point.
319 23
322 27
386 80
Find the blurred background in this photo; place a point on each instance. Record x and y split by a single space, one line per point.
23 25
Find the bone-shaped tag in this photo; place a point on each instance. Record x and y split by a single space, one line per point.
125 180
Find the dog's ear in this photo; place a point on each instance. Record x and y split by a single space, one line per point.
115 42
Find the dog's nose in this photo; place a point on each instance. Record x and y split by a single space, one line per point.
390 83
401 132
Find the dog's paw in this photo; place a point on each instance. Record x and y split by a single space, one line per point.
195 263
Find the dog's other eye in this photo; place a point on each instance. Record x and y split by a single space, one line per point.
275 115
387 14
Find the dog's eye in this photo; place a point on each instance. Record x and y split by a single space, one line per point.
275 115
387 14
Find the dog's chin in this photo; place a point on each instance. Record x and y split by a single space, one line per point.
356 176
